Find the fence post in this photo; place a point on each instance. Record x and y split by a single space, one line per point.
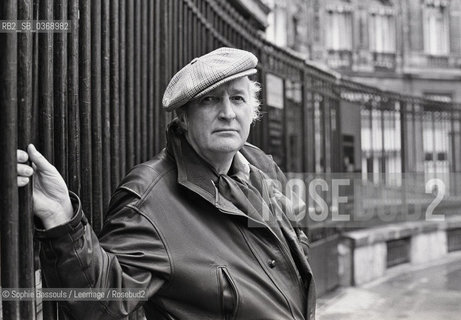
26 223
8 144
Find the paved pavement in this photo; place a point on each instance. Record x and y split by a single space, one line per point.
430 292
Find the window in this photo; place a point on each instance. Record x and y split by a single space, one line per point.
382 31
436 35
276 30
339 29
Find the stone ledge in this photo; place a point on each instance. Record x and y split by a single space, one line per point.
363 253
453 223
374 235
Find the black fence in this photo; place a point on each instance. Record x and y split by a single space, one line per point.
90 100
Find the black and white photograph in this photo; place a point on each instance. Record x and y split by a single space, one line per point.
230 159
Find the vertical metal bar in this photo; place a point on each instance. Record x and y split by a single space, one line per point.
180 40
137 81
114 96
35 47
144 81
95 116
159 52
434 142
324 118
201 28
164 30
130 143
46 105
304 154
372 133
195 44
264 107
403 135
122 87
310 127
45 85
169 27
450 121
85 106
73 121
191 36
26 223
150 81
416 115
73 157
105 99
8 144
210 19
187 33
175 37
214 18
338 145
383 149
60 91
284 122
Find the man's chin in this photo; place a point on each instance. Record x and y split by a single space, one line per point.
228 146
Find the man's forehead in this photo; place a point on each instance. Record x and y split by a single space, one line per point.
237 85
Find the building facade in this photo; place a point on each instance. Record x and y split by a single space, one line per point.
408 46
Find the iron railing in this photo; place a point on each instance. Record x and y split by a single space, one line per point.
90 100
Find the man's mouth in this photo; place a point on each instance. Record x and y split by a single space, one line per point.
225 130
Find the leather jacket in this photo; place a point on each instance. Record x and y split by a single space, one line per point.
168 231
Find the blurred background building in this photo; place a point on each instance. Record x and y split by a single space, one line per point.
408 46
411 47
369 90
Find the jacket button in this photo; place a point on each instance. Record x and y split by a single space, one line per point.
271 264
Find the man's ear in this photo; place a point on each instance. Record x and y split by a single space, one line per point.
182 117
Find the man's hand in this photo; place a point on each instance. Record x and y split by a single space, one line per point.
51 202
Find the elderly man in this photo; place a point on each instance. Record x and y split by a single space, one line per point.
202 227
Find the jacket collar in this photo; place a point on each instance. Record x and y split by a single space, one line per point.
193 172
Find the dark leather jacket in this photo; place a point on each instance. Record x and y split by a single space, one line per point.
169 232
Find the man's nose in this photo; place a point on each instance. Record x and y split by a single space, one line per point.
226 111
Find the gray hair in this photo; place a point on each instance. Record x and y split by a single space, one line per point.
255 103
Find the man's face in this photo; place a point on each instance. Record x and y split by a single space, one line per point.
219 122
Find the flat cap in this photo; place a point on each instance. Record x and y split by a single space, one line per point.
206 73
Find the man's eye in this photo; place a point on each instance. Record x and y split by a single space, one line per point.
209 99
239 98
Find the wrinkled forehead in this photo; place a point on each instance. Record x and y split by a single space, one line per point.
239 85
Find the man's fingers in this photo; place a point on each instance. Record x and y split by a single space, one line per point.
24 170
22 181
21 156
39 160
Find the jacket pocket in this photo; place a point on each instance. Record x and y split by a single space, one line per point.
228 294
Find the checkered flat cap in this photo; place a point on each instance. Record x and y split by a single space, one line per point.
206 73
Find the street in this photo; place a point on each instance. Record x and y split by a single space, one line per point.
429 293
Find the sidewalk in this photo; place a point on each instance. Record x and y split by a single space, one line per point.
428 292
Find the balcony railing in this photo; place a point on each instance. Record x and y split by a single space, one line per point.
384 61
339 59
437 61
